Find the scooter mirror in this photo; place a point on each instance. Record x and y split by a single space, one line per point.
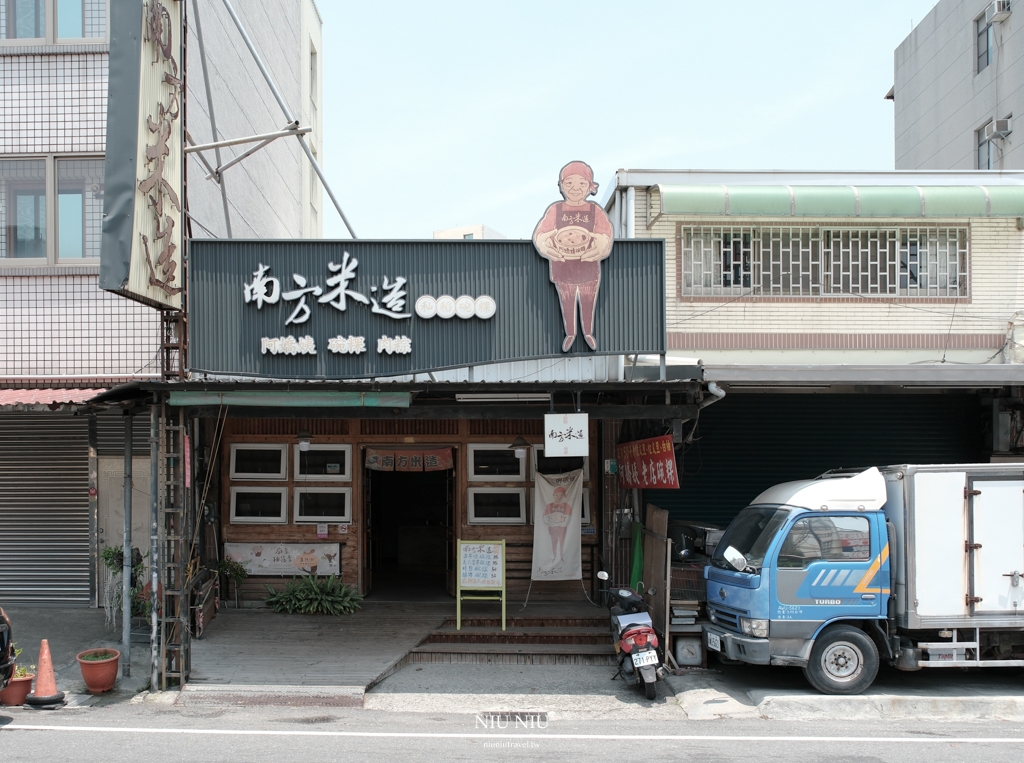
652 591
602 575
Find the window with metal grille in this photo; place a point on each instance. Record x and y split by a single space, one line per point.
780 261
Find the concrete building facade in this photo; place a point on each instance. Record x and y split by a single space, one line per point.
62 338
852 319
959 71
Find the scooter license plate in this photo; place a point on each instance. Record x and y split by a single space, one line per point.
714 642
649 657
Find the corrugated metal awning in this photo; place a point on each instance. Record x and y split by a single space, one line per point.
44 399
842 200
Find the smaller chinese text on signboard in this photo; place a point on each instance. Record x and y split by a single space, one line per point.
566 434
647 463
481 565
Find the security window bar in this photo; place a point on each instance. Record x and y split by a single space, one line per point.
775 261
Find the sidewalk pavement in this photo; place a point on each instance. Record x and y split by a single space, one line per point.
70 631
776 693
561 691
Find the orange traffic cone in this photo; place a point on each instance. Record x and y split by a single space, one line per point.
45 694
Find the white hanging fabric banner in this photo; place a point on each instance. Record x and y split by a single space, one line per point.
557 521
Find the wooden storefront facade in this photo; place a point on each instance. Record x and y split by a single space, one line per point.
396 538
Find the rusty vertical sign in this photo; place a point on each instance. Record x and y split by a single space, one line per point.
141 252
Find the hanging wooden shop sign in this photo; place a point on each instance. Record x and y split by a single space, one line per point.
649 463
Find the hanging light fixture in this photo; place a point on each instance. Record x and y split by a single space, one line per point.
519 445
304 438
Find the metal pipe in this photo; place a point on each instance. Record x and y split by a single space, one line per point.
630 212
154 544
219 172
213 118
287 113
267 136
126 552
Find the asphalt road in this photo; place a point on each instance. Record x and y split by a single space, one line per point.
148 732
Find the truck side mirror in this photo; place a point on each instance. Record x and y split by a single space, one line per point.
602 575
735 559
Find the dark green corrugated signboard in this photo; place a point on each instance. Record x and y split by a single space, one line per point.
357 309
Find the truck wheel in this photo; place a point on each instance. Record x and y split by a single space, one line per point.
844 660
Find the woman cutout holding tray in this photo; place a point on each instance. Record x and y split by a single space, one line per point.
574 236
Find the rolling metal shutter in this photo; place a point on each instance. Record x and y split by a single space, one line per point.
110 433
45 544
749 442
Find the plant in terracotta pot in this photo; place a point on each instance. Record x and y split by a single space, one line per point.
20 684
99 668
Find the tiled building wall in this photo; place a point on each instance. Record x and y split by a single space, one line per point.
53 103
63 327
996 273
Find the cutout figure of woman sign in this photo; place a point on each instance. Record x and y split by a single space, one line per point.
574 236
556 516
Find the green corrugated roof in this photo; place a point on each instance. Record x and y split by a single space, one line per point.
843 201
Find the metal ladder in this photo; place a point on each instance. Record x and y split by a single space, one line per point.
175 542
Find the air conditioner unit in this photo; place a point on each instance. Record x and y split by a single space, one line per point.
997 11
997 128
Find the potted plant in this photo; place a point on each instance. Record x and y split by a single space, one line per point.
99 668
233 571
20 685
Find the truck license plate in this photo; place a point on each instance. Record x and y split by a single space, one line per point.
649 657
714 642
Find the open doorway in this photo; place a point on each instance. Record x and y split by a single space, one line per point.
410 537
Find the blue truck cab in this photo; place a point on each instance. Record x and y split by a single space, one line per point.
801 577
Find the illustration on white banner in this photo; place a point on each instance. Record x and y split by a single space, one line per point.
558 502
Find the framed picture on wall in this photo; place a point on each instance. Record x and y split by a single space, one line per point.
323 463
322 504
259 505
259 461
497 505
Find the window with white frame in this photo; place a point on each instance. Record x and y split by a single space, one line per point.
497 505
813 261
259 461
52 21
51 210
323 463
259 505
495 463
322 504
559 464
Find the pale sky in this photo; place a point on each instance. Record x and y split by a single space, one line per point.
441 114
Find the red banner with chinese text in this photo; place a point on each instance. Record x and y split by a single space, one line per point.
436 460
647 463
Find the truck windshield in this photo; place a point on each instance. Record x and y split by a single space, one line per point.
751 533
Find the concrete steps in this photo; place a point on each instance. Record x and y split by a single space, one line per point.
525 641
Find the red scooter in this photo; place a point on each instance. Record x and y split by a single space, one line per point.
636 643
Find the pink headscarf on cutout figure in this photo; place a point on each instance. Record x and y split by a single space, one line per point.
578 168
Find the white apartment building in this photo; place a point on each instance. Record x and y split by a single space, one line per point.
852 318
957 77
61 337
